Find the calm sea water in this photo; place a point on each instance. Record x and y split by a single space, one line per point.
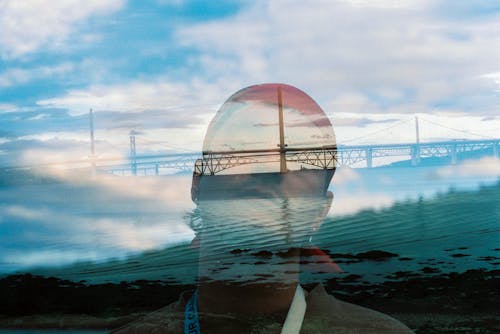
112 229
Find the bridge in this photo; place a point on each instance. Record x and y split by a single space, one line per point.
356 156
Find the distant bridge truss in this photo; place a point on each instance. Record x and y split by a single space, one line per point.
364 155
214 162
360 156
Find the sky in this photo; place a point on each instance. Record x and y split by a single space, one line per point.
162 68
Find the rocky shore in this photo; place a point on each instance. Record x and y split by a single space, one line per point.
428 302
465 302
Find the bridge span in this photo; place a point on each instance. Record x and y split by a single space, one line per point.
355 156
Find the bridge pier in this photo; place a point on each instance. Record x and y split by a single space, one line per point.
454 156
415 155
369 157
133 167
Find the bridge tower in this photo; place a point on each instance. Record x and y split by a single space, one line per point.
282 145
415 151
454 154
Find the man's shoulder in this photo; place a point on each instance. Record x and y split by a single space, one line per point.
168 319
324 314
327 314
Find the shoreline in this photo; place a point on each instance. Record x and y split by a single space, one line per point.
428 303
66 322
419 322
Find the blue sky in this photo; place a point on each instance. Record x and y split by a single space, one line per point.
163 67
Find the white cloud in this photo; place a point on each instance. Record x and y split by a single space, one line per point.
495 77
28 25
368 59
136 96
389 3
23 212
348 204
129 236
56 152
396 126
158 190
86 217
344 175
8 107
369 55
174 115
485 167
175 3
19 76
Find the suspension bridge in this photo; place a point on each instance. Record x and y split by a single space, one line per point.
416 154
358 156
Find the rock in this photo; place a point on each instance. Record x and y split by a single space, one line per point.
263 254
376 255
459 255
429 270
239 251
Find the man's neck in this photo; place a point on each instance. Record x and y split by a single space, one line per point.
224 295
246 300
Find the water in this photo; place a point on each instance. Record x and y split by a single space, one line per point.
141 233
112 229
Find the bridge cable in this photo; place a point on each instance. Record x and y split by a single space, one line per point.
458 130
169 146
375 132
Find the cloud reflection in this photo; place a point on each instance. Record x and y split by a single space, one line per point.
78 217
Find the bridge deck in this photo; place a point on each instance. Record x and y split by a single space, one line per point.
215 162
356 156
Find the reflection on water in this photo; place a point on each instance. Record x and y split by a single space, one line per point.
93 219
399 232
98 226
257 224
241 233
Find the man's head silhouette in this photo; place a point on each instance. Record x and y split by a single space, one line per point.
261 186
266 140
261 190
